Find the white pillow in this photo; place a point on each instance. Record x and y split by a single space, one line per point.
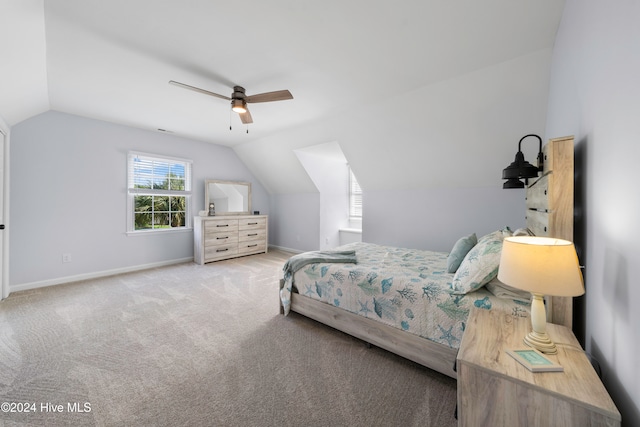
501 290
523 232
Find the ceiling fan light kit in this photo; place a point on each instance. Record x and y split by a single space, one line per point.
239 105
239 99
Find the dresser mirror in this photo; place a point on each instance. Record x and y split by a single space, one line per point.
229 197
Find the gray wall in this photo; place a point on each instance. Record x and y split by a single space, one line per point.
433 219
68 195
294 223
594 95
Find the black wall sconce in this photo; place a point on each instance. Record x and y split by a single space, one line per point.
520 168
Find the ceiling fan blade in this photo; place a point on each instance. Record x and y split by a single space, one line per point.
246 117
278 95
197 89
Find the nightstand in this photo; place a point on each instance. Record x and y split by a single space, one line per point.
495 390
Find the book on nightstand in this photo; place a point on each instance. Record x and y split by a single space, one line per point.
534 360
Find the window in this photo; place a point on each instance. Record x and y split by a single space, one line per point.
355 197
159 193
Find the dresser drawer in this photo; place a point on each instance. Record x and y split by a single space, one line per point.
222 251
220 239
252 224
220 225
251 247
250 235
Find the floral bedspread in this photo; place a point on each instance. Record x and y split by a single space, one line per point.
405 288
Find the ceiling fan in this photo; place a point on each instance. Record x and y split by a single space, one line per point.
239 99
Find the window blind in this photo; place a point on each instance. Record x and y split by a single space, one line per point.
355 196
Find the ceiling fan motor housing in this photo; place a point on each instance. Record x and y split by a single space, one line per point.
238 93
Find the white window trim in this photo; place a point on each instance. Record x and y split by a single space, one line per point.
131 192
354 218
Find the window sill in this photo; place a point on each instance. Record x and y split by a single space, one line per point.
162 231
350 230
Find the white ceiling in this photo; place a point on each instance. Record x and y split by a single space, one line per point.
112 60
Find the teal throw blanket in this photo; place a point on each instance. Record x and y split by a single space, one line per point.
296 262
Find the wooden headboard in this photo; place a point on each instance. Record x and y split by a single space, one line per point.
550 210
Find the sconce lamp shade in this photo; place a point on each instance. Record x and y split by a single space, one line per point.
541 265
520 168
513 183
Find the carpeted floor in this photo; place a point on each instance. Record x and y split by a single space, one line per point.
191 345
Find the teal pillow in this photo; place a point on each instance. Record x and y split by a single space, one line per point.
459 251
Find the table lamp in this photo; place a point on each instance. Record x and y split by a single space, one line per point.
542 266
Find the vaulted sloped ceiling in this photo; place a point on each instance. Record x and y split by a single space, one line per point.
23 56
379 77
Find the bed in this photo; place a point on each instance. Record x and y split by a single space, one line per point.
415 303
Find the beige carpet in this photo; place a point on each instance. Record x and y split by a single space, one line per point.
191 345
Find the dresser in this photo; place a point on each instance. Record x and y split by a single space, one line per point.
230 236
495 390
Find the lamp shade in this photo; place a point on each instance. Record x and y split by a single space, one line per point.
541 265
520 168
513 183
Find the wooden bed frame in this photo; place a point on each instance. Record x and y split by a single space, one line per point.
549 202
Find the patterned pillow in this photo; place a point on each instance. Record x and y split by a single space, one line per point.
460 249
480 265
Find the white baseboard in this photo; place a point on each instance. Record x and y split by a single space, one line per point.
94 275
282 248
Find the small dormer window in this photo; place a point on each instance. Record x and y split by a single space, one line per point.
355 197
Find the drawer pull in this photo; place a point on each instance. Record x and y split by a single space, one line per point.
252 223
222 250
225 225
222 238
251 246
252 234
